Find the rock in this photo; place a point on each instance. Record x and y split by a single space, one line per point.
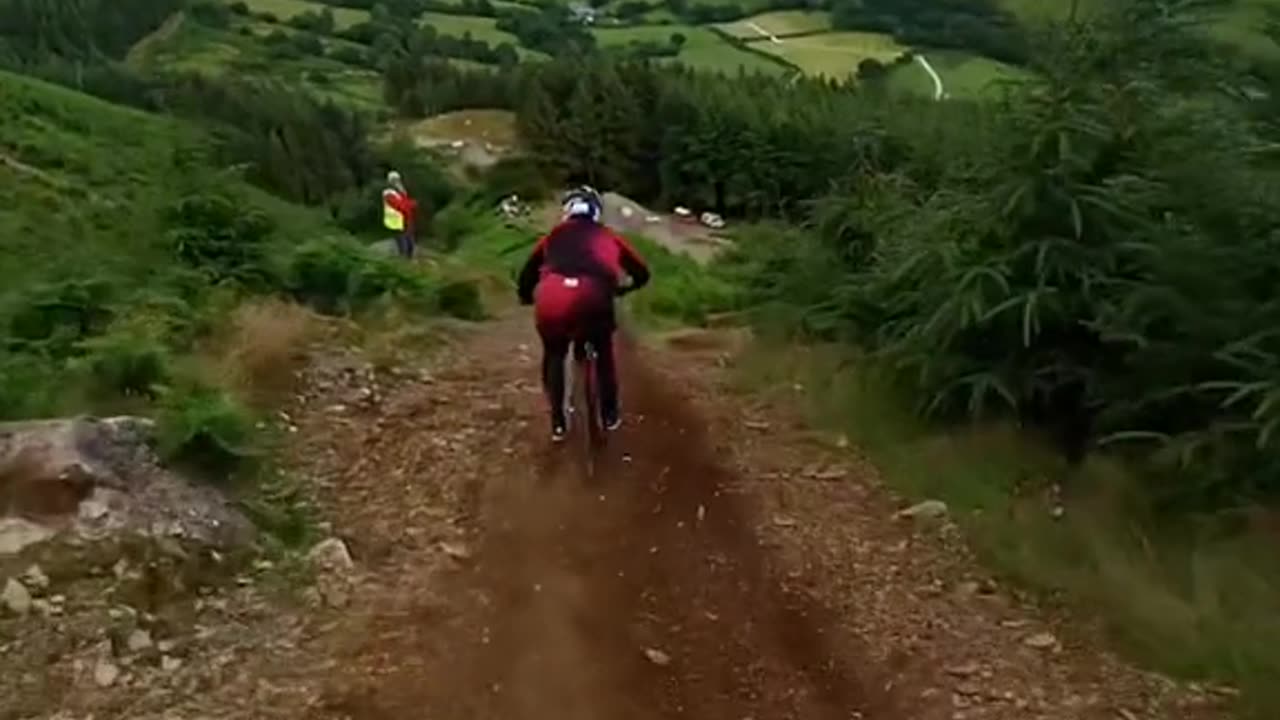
757 425
455 550
138 641
1040 641
830 474
35 579
168 663
17 533
331 555
964 670
100 475
105 674
657 657
784 521
927 509
15 598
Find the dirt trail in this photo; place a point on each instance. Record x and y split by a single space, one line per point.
709 574
639 595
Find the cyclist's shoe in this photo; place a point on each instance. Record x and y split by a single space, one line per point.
612 421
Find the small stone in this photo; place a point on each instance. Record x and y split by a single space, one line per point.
35 579
331 555
926 509
657 657
17 533
93 510
964 670
168 663
15 598
166 646
455 550
969 689
784 521
105 674
138 641
1040 641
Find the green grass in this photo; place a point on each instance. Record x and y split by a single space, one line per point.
963 75
1193 601
195 48
703 49
780 23
285 9
834 55
480 28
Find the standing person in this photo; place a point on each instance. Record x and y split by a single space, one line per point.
398 210
571 278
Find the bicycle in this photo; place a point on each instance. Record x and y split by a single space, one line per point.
584 397
584 402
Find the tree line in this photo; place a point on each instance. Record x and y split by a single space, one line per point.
31 30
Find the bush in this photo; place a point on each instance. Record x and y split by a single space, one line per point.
221 237
127 364
206 430
55 317
336 275
461 299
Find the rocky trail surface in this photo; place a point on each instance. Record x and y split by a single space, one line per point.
726 564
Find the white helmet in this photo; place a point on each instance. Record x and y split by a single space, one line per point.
583 202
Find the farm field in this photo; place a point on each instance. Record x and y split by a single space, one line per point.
780 24
964 75
193 48
703 49
834 55
285 9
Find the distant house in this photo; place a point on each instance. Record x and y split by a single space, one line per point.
583 13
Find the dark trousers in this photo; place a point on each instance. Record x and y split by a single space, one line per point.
405 244
555 350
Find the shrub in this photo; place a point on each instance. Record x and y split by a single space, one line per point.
128 364
54 317
461 299
336 275
206 430
219 236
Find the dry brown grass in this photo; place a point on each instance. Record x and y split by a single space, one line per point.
262 348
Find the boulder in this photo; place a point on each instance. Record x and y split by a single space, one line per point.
93 477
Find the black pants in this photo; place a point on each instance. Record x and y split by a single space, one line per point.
554 352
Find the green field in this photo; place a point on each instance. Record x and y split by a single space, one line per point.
285 9
963 75
703 49
195 48
780 24
834 55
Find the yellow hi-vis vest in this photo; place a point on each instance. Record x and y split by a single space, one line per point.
391 217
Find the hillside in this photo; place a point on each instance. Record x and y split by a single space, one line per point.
968 411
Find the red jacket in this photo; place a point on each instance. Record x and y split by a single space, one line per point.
401 203
582 248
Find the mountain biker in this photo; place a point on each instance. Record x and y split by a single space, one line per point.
571 279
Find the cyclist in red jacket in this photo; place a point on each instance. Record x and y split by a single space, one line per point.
571 279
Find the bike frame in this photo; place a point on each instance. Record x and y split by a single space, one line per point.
584 400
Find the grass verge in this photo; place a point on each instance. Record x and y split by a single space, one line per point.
1197 600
